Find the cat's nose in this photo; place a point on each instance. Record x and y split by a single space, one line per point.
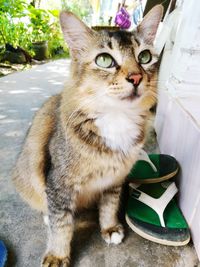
134 78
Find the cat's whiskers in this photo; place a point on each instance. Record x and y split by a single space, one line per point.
86 102
72 118
75 112
158 80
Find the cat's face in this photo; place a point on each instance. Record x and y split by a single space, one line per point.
113 66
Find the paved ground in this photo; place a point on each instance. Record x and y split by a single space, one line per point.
22 229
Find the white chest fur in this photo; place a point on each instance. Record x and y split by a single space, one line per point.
119 129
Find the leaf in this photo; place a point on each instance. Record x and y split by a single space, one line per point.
55 12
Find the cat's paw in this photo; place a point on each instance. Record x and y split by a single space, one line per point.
113 235
50 260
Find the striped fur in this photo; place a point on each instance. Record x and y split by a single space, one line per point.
84 141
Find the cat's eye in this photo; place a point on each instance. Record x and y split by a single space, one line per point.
104 60
144 57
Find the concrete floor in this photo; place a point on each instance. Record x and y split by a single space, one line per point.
22 229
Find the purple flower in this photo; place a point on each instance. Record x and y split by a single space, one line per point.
122 19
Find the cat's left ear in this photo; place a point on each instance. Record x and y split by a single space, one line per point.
76 34
148 27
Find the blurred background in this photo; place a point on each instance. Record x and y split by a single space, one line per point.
30 31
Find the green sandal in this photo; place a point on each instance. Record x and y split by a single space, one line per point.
153 168
153 214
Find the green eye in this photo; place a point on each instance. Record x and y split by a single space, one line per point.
144 57
105 61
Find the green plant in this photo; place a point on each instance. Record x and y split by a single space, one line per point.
80 7
22 24
40 24
56 42
12 29
15 8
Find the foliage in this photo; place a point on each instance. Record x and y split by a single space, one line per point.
21 24
56 42
12 28
39 24
13 8
79 7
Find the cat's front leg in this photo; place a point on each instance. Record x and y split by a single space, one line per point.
60 231
111 230
60 228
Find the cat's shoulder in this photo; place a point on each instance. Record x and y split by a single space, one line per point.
45 118
51 105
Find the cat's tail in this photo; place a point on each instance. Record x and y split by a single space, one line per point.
30 184
29 175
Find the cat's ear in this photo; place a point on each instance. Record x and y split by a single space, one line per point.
148 27
76 34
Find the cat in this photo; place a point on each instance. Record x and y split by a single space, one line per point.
84 141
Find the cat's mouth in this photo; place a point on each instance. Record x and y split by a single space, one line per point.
131 96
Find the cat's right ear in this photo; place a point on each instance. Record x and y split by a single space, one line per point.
76 34
148 27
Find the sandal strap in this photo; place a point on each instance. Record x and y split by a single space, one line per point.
144 156
157 204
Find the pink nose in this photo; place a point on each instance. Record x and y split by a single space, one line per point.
135 78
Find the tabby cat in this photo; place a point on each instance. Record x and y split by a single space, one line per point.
84 141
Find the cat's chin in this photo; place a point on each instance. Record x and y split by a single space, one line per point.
130 97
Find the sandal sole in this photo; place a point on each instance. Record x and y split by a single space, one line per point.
154 239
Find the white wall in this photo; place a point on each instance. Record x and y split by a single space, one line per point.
178 115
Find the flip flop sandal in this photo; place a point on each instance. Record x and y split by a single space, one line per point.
153 168
3 254
153 214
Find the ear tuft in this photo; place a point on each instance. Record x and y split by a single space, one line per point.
76 34
148 27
